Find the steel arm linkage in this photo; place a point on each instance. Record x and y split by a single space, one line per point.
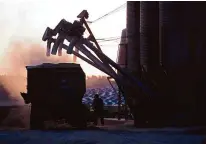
85 45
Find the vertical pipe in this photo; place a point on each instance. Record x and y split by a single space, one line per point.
133 47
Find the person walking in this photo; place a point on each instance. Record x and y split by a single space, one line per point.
98 107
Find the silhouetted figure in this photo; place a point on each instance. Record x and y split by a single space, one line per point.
126 112
98 107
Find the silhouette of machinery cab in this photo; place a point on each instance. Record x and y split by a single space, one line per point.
55 92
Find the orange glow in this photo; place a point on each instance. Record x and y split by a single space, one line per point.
20 54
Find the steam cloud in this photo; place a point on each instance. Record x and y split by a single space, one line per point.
18 55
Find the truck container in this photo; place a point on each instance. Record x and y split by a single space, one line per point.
55 92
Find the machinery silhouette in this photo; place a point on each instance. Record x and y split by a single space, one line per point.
44 93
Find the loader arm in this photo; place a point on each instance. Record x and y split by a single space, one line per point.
129 85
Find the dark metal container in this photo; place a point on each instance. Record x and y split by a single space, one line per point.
55 92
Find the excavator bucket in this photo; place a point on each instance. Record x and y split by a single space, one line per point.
71 45
48 48
56 45
47 34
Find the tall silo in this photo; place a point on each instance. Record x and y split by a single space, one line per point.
133 55
133 46
122 50
149 55
149 35
173 50
197 51
178 23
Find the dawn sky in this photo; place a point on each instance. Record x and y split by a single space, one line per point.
27 20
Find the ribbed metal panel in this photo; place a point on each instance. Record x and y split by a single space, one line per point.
133 24
174 50
198 55
182 28
149 34
196 29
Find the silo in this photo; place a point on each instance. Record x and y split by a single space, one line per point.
149 35
133 51
122 51
197 57
178 45
133 46
150 56
173 42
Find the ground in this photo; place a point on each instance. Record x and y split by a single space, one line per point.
114 132
97 137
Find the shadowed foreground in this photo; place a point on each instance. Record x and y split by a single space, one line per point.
114 132
97 137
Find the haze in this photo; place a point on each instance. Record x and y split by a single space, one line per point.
22 24
24 21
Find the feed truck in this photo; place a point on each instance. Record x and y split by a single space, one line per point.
55 92
132 88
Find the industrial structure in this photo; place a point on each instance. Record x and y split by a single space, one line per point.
166 49
161 60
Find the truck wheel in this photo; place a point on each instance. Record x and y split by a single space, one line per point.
36 119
